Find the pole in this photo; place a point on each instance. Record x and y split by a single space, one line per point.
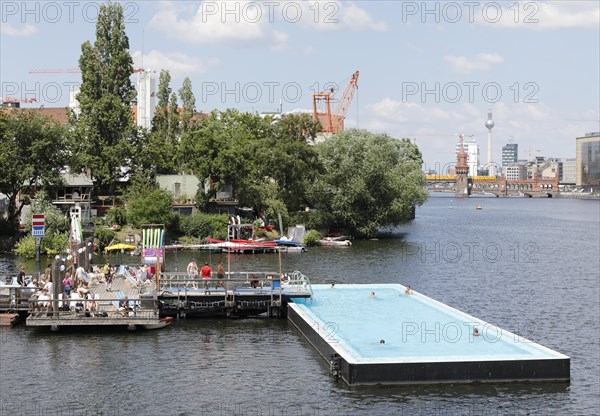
55 279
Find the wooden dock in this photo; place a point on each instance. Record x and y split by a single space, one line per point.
239 294
142 300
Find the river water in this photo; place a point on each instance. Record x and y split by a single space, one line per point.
529 266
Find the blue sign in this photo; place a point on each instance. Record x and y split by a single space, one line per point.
37 231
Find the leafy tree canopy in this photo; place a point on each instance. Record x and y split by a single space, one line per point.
104 130
33 153
369 181
146 203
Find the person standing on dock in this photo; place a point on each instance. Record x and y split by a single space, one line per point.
206 273
21 277
107 276
192 271
220 275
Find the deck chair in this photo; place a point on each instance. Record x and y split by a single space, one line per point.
130 278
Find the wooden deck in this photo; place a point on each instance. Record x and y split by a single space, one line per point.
145 310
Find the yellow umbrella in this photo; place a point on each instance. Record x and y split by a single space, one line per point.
120 246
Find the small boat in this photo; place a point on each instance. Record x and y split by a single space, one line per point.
478 207
162 323
289 246
335 242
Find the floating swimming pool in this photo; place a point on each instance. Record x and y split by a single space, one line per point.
392 337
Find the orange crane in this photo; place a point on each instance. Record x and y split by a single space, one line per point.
75 70
334 122
17 100
12 102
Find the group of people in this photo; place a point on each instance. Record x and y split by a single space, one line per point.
206 273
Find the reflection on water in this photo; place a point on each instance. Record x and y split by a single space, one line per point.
529 266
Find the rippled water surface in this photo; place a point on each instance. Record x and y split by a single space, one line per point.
529 266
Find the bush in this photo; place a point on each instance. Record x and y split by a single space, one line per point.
103 237
202 225
26 247
312 238
54 242
116 216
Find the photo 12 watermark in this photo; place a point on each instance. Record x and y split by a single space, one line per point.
35 12
471 252
469 91
487 12
270 11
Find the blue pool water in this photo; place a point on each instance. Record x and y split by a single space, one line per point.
414 328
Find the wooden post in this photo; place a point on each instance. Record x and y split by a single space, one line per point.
56 278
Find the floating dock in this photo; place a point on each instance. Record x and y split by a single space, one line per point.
239 294
378 334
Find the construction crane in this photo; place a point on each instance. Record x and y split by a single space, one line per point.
11 102
75 70
334 122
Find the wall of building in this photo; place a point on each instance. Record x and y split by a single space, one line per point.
588 160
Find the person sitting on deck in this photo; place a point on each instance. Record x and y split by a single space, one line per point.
90 304
82 289
43 301
48 286
408 290
124 306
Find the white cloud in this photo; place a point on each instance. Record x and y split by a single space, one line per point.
245 21
481 62
10 30
537 15
355 18
176 62
211 23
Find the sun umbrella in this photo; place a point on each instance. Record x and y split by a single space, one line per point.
120 246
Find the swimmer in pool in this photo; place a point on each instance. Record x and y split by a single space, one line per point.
408 290
475 332
372 295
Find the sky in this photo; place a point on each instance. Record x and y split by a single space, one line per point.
428 70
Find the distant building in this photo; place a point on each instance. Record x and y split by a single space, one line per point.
587 157
569 176
146 93
549 169
183 188
510 154
515 171
472 149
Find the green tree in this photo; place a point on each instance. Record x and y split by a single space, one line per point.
159 152
146 203
33 153
162 106
104 129
188 102
221 148
369 181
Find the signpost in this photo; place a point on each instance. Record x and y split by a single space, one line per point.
38 225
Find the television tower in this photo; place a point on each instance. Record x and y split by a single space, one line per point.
489 124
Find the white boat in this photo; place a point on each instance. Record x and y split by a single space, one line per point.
335 242
162 323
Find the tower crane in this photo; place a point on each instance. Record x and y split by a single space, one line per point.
75 70
12 102
334 122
